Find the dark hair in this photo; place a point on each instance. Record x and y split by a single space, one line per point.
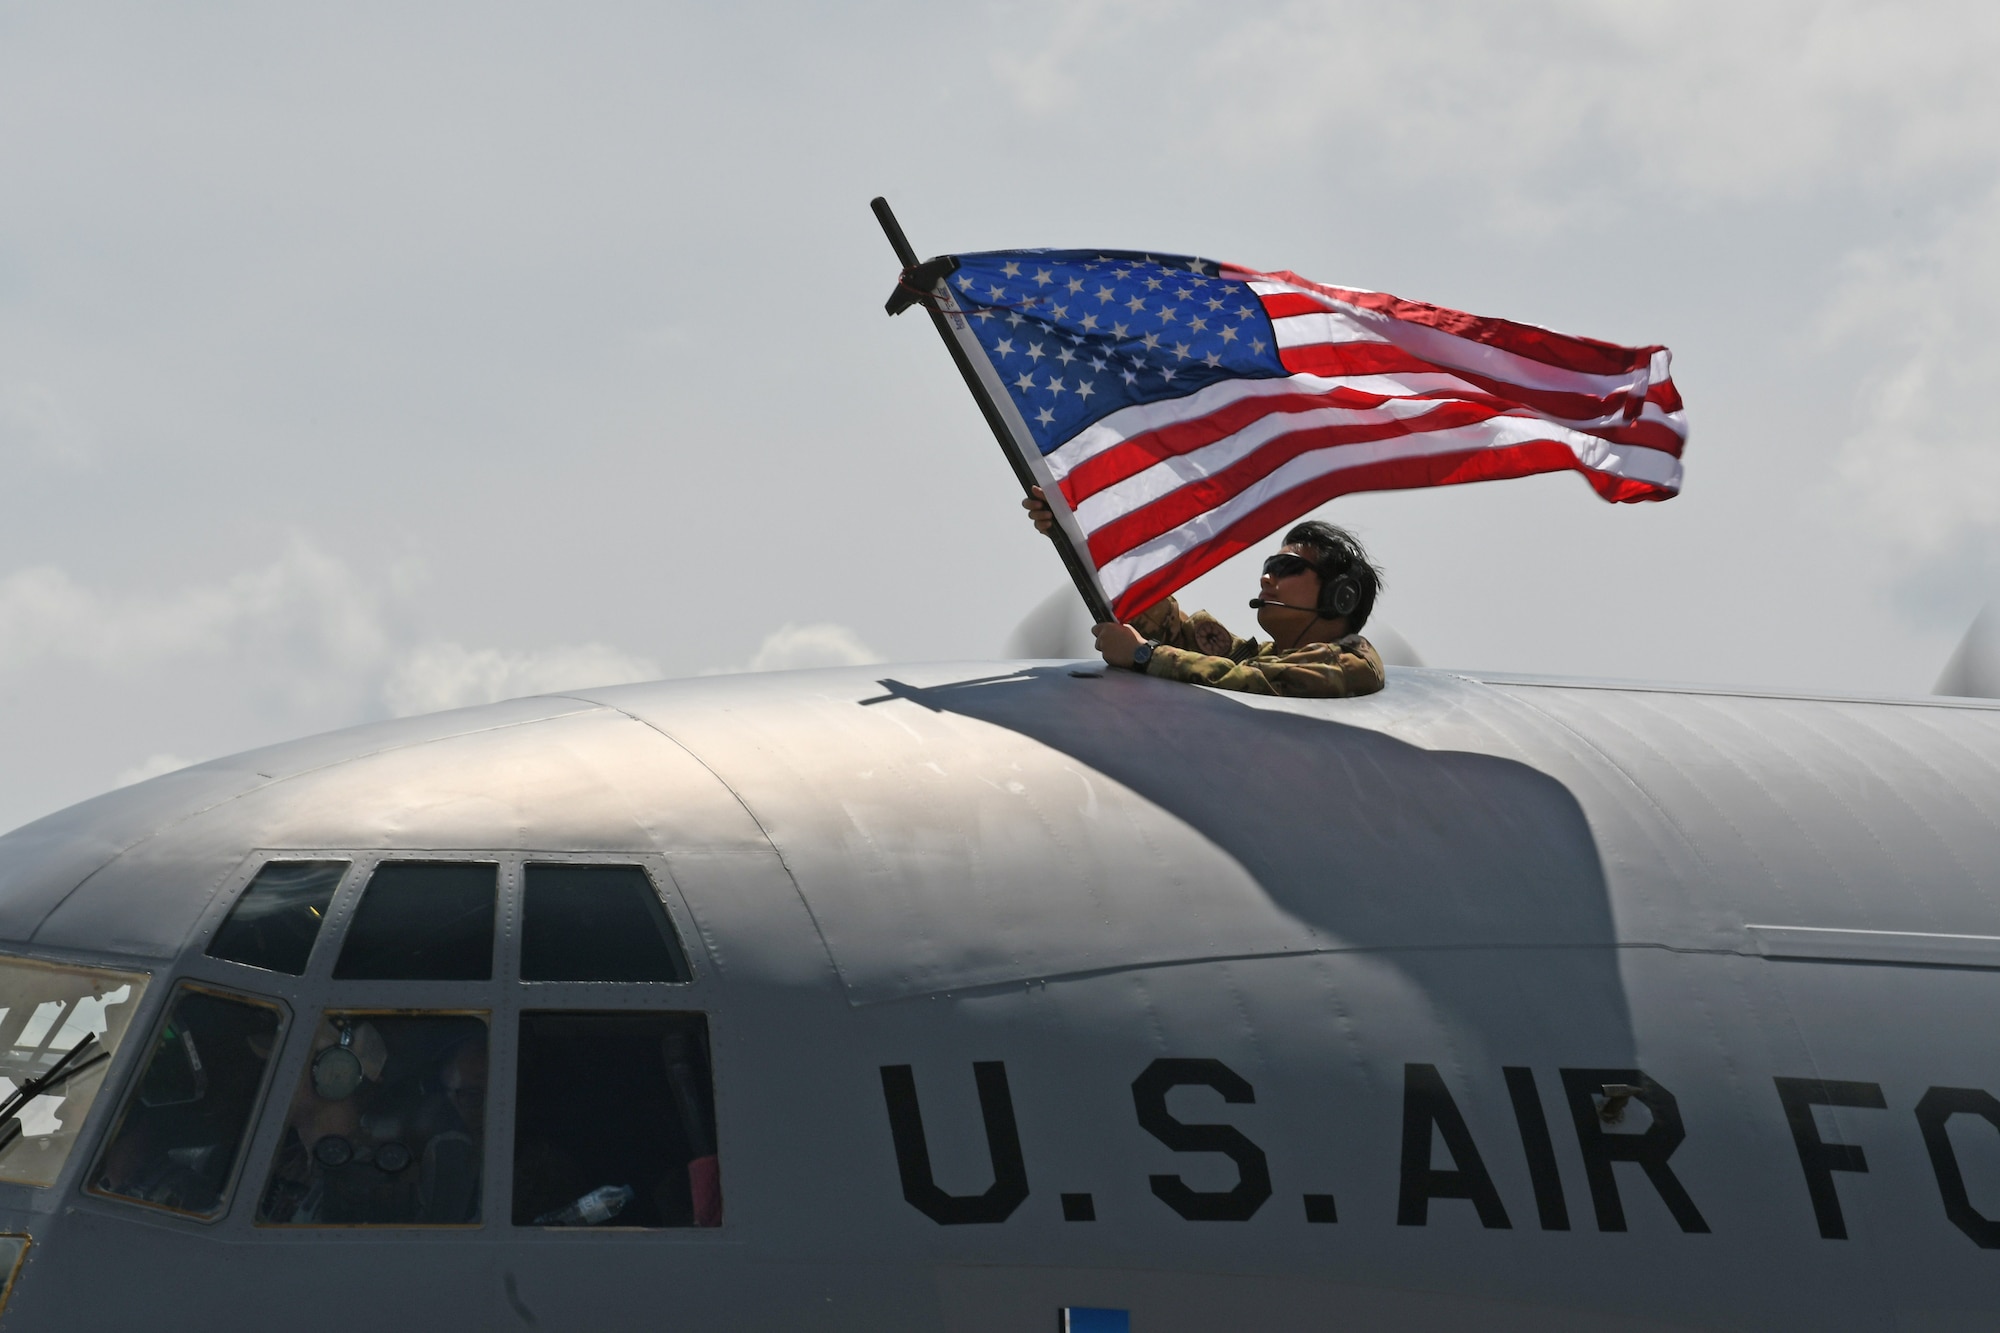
1339 553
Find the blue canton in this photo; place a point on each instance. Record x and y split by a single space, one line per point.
1077 334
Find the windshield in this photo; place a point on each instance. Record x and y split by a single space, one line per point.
46 1010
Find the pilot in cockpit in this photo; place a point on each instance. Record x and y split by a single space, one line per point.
1313 599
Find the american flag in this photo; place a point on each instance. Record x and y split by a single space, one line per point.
1185 409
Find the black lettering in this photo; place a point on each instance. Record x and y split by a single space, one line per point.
1427 1103
1538 1147
1079 1208
1650 1150
913 1154
1939 1106
1253 1182
1818 1158
1319 1208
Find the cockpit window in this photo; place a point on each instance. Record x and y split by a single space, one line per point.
273 925
615 1121
59 1027
596 923
186 1118
388 1126
423 921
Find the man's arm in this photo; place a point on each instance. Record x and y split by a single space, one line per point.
1322 671
1166 624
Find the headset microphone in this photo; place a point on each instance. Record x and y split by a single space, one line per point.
1259 603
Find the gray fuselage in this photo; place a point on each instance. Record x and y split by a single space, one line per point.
1029 989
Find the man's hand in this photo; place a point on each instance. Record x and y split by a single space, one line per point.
1116 642
1037 506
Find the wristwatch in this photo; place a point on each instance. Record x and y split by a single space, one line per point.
1143 654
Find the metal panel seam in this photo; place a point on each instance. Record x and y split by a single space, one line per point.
765 833
1666 819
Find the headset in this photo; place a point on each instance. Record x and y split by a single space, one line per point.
1338 596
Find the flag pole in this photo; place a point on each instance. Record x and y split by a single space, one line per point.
1079 572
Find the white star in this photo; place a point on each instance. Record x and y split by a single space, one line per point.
1120 330
1045 416
1257 346
1152 341
1005 347
1055 385
1104 294
1181 351
1090 323
982 315
1184 294
1152 284
1076 338
1083 389
1200 282
1136 305
997 293
1168 375
1130 378
1215 303
1214 359
1243 312
1035 352
1065 356
1197 324
1011 270
1196 266
1097 363
1166 314
1042 277
1027 380
1121 273
1229 335
1015 319
965 282
1059 311
1075 285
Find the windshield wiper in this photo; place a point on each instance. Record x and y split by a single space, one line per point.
59 1073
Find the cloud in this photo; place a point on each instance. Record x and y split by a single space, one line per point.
129 683
1920 468
794 647
1550 99
152 766
34 423
437 676
304 608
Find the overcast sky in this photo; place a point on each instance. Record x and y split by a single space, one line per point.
368 359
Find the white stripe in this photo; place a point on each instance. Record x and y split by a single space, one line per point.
1448 349
1640 464
1143 418
1172 473
1322 328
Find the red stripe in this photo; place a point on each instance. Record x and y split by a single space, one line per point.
1130 457
1565 351
1197 497
1133 456
1520 460
1336 359
1280 304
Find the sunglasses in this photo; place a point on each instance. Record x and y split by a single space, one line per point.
1285 564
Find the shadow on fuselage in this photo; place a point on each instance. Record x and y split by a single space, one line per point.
1465 870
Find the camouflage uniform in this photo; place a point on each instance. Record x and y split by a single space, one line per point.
1197 648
